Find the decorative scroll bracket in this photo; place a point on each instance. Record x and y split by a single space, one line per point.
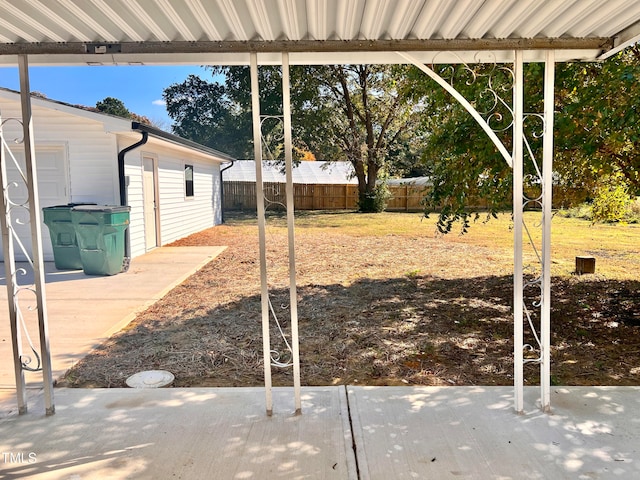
8 220
537 311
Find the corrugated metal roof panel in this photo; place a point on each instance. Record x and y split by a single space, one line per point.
321 173
165 26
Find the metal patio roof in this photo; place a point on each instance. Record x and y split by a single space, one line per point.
313 31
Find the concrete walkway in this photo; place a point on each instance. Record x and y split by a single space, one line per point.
85 310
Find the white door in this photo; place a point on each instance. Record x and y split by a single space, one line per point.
53 189
150 202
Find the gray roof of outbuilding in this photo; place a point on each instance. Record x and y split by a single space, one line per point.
319 173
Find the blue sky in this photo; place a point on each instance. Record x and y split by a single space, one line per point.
139 87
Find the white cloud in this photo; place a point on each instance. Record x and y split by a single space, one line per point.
159 102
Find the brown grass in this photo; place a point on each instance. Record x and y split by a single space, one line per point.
383 300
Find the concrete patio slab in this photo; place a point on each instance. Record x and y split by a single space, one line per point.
474 433
178 433
398 433
84 310
343 433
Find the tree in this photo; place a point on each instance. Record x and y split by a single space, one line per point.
360 114
202 112
597 107
467 172
217 113
113 106
354 113
597 134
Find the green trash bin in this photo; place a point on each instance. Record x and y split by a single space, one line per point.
100 232
66 254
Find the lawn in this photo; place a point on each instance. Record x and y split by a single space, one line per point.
384 300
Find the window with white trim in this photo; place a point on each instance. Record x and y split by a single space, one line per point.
188 180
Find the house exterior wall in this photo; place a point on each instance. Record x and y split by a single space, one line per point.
91 150
90 161
179 215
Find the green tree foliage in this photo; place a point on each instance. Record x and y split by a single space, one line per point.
202 112
217 112
596 132
113 106
597 127
394 120
612 202
360 114
354 113
466 169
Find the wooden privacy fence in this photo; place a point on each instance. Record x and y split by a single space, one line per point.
407 198
306 196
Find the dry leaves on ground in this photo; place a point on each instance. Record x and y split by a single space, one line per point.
373 310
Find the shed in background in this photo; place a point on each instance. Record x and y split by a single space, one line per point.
317 185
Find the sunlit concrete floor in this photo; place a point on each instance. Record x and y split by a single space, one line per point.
343 433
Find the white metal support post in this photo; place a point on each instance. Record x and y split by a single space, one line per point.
264 289
518 169
547 199
36 236
10 275
293 295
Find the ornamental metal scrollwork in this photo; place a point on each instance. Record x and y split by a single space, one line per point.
273 142
272 135
26 360
17 213
493 82
532 200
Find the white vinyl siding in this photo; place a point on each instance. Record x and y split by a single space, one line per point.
52 189
135 200
91 151
181 215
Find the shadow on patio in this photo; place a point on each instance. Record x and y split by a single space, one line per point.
398 432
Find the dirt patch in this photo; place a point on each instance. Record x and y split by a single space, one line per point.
374 310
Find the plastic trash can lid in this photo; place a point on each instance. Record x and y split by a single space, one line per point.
102 208
68 205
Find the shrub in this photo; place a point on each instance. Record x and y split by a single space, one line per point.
634 216
376 201
583 211
612 202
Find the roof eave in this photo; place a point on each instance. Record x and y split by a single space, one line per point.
629 36
301 46
182 142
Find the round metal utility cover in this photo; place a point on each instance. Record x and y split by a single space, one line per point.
150 379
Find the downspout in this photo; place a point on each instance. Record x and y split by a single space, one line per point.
123 195
222 190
